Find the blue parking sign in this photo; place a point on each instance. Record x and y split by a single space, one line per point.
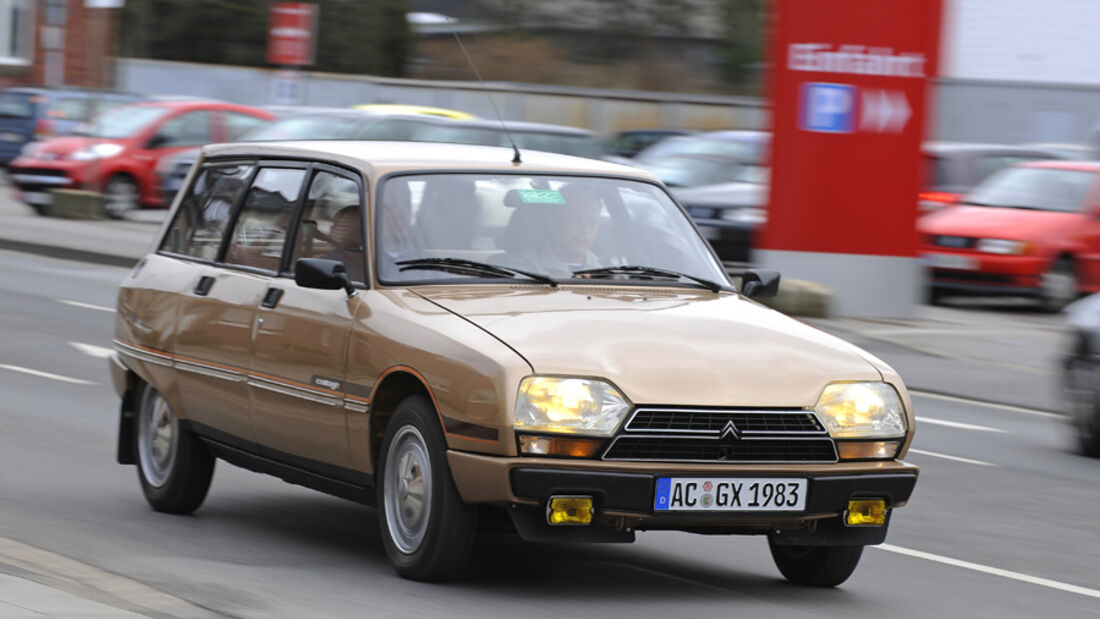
829 108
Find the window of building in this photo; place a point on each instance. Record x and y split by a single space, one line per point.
16 31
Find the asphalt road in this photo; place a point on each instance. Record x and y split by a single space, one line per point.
1005 520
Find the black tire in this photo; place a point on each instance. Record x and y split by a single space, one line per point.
1059 286
121 196
432 542
174 467
1084 400
816 566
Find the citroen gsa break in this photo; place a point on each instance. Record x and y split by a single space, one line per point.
467 334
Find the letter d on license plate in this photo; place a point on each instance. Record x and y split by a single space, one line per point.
709 494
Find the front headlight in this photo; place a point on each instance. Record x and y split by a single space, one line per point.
861 410
569 406
1002 246
98 151
745 215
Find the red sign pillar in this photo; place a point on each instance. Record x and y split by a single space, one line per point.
848 88
290 33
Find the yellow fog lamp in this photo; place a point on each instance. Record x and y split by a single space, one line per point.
569 510
865 513
867 450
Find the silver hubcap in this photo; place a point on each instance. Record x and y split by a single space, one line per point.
158 439
1059 286
407 490
121 197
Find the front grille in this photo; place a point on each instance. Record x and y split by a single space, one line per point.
971 276
722 435
41 172
954 242
728 449
715 421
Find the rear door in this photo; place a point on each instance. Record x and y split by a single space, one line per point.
216 304
300 349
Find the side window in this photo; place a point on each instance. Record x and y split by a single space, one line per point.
261 229
200 222
190 129
239 124
332 224
69 108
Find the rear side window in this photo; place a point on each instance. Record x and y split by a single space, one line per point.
17 104
199 224
261 229
69 108
240 124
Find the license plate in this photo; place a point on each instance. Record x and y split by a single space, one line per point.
949 261
11 137
716 494
36 197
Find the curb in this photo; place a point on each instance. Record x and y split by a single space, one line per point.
65 253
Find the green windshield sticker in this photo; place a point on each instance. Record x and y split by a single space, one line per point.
540 196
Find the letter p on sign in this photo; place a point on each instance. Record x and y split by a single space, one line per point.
828 108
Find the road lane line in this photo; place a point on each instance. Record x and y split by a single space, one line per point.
87 305
947 457
41 374
93 351
973 402
995 571
960 425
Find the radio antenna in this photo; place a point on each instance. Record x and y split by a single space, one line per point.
516 159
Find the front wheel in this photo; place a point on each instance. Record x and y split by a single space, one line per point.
121 195
426 528
174 468
1058 286
816 566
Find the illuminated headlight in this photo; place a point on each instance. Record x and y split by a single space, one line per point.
1002 246
747 215
569 405
98 151
861 410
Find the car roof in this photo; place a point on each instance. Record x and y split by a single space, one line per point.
377 158
520 127
937 147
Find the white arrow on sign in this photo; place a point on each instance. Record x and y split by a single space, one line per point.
883 111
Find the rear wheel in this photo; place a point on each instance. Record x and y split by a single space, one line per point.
426 528
1058 287
1085 403
174 468
121 196
816 566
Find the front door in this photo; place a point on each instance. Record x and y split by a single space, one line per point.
301 344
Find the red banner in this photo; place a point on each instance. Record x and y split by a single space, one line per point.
290 33
848 88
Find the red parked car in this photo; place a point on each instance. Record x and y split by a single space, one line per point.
1031 229
119 150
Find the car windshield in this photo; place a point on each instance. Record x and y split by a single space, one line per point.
750 148
16 104
544 225
1045 189
303 128
124 121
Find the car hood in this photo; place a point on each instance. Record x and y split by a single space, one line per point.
994 222
663 346
61 147
722 195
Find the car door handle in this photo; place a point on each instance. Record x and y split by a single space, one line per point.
271 297
203 287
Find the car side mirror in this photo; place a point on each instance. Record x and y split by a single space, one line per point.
157 141
758 283
323 275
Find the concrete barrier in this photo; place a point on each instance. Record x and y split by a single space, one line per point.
76 204
798 297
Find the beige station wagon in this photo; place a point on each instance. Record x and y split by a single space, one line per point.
457 334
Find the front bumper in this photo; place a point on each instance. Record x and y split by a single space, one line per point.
985 274
623 496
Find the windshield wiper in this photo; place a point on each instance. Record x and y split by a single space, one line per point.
634 269
451 264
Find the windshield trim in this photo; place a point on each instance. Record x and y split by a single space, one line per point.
380 181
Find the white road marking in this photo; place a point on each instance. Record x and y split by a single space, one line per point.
87 305
973 402
92 351
960 425
41 374
995 571
947 457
